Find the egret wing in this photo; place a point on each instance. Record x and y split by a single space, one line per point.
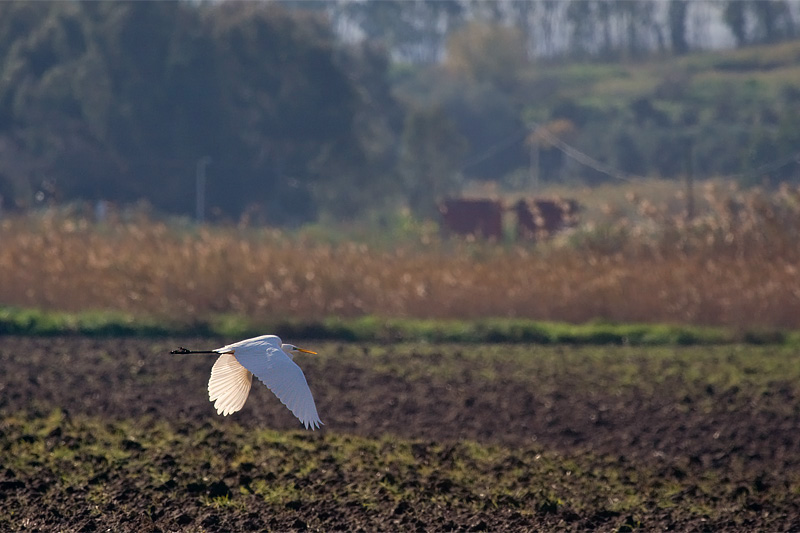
229 385
263 342
284 378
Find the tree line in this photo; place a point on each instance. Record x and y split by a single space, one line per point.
418 30
291 119
121 101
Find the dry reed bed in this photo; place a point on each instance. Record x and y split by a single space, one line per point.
734 264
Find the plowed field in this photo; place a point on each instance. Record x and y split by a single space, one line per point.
118 434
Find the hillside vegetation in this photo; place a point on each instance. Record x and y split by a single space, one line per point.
285 123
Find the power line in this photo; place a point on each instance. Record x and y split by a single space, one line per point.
494 149
599 166
581 157
769 167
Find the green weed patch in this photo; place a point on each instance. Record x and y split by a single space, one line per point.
91 472
14 321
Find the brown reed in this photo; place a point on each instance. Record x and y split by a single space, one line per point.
735 264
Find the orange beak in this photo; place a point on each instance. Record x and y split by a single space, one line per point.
306 351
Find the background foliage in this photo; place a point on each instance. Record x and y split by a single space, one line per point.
329 111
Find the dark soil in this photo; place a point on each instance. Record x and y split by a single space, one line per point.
719 426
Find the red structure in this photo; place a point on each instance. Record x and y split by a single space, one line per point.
539 218
536 218
479 218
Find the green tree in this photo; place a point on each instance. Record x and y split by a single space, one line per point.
432 151
289 105
582 19
414 30
121 100
734 16
677 26
489 120
487 53
773 20
365 175
54 92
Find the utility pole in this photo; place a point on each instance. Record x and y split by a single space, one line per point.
200 188
535 166
688 168
533 169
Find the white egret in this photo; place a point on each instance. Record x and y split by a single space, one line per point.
273 363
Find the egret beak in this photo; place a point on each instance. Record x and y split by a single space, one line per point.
306 351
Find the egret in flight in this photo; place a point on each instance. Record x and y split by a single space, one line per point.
273 363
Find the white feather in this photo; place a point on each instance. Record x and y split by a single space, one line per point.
229 385
232 375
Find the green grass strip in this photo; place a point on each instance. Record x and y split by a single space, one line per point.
16 321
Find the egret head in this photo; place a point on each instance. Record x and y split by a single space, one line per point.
291 350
